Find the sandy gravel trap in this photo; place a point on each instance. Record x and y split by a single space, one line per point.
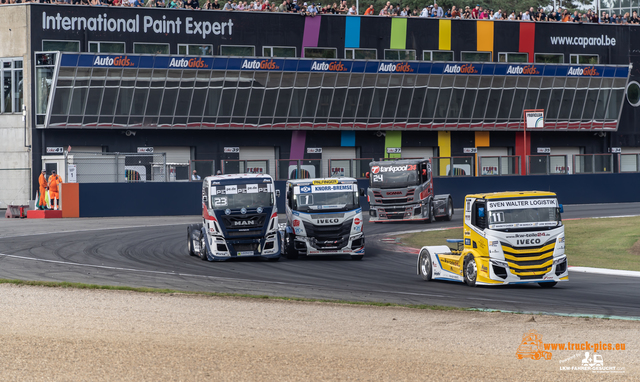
91 335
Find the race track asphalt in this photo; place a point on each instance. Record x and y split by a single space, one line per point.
151 252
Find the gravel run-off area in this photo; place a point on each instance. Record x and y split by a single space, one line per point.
65 334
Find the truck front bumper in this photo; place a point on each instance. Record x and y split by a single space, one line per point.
221 249
408 212
308 246
498 272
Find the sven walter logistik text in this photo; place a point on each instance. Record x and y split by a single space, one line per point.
104 23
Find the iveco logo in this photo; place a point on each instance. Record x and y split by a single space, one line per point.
327 221
244 222
527 241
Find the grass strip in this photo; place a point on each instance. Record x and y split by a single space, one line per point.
65 284
612 243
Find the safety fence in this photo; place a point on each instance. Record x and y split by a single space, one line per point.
153 167
122 168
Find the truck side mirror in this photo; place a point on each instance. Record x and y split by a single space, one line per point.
277 193
366 174
362 191
561 209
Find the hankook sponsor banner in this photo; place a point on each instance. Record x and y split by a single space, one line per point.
522 203
338 66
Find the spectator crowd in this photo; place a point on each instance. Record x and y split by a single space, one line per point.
309 8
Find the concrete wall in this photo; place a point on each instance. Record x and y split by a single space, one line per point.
15 159
166 199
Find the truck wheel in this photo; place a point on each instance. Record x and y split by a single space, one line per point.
356 257
190 230
431 218
425 265
548 285
470 270
536 355
289 249
449 210
203 248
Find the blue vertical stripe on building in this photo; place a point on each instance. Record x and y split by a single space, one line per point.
348 139
352 32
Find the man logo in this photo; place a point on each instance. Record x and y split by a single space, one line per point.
244 222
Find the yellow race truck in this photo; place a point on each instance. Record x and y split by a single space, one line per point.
509 238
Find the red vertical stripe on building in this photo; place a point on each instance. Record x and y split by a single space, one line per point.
521 152
527 38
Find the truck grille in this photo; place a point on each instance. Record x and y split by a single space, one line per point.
530 262
243 221
392 199
245 247
329 236
252 233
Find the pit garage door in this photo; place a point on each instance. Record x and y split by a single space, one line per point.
259 159
175 154
629 162
489 164
558 164
416 152
86 149
339 167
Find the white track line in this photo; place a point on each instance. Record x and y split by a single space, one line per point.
604 271
200 276
94 229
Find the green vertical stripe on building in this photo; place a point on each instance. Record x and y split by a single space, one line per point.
393 139
398 33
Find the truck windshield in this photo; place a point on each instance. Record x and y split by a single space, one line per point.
322 201
241 196
394 176
526 213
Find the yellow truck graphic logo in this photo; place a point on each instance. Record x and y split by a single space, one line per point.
532 347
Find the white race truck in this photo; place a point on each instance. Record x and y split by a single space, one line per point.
323 218
239 219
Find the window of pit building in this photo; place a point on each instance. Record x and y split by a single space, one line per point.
437 55
584 59
279 51
360 54
400 54
513 57
320 52
45 66
148 48
61 45
106 47
475 56
548 58
195 50
238 50
12 85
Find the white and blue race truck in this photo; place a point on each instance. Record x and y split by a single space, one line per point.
239 219
324 217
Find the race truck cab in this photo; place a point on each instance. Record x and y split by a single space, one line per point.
402 190
239 219
509 238
323 218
